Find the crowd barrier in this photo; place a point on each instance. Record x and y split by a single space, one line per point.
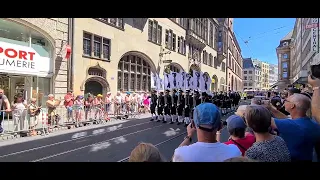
19 122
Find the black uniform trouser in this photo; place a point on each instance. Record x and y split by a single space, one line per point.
167 110
180 110
173 110
187 112
160 110
153 109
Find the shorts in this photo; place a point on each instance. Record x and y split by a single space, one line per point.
69 109
107 107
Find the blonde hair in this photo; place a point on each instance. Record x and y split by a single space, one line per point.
240 159
145 152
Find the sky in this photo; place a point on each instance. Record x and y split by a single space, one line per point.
262 35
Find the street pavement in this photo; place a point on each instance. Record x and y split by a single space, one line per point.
100 143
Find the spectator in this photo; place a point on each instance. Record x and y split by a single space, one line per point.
255 101
315 106
237 129
34 111
267 148
300 132
146 152
240 159
19 112
68 103
4 107
207 123
293 90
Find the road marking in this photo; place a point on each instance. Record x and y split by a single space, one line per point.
83 147
157 144
124 159
57 143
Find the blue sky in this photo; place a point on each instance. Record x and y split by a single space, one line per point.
263 36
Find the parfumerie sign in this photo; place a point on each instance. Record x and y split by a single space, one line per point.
23 60
314 35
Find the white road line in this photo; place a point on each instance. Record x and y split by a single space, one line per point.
83 147
61 142
163 143
157 144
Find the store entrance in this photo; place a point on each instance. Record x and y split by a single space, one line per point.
12 85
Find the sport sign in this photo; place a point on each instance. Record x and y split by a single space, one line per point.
19 59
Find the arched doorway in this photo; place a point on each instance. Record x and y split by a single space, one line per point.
214 84
93 87
174 67
134 72
194 67
96 82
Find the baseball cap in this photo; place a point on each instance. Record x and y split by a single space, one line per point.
207 114
234 122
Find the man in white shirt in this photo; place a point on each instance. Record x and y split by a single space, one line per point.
206 123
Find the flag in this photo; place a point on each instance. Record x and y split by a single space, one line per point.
173 78
167 84
188 81
154 80
182 80
205 83
159 84
196 78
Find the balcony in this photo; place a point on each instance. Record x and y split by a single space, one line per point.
193 38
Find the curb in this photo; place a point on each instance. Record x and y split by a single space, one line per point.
6 137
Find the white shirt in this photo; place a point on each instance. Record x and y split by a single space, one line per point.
206 152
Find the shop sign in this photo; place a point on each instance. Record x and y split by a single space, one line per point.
314 35
19 59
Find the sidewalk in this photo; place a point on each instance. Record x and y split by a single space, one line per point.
9 126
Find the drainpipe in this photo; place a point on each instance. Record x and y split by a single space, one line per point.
70 61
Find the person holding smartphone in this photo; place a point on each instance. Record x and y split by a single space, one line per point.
206 124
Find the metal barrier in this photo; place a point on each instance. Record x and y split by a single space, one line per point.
18 122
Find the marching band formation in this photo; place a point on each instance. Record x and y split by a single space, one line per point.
175 97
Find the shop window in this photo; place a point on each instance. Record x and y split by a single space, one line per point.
14 33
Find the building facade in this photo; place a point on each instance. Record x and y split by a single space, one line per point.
273 74
31 62
297 51
233 56
264 73
111 54
252 75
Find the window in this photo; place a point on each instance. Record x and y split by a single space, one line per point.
245 77
173 68
211 40
223 67
100 48
87 44
199 26
285 56
174 42
245 84
154 32
285 75
285 65
205 57
210 60
97 46
215 42
134 74
250 72
244 72
215 62
181 45
115 22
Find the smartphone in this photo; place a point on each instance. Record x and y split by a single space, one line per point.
192 124
315 71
